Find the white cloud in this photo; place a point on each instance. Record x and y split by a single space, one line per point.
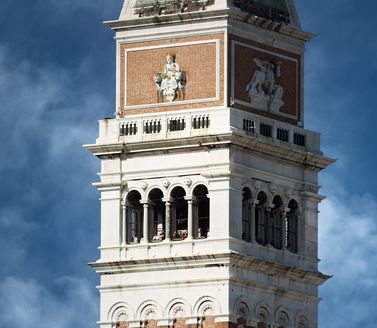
348 240
36 103
37 118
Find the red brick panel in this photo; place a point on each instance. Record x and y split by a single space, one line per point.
197 61
151 324
290 80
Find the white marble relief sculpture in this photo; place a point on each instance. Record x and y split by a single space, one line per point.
171 82
263 89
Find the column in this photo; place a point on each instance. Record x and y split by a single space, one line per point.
268 221
284 229
167 220
189 219
124 224
300 234
252 221
144 240
139 214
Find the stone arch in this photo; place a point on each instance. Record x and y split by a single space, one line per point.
177 184
250 186
242 310
177 305
297 201
120 311
206 305
263 312
194 185
151 188
302 320
149 310
127 190
283 317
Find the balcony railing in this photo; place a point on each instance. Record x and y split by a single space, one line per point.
161 126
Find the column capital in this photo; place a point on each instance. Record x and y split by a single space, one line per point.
167 200
269 206
286 210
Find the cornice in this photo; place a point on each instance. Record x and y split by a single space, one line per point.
251 143
231 260
209 15
172 19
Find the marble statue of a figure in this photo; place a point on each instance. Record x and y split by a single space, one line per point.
263 89
170 82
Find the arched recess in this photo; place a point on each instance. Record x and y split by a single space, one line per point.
261 219
178 307
242 309
134 217
206 305
148 312
206 308
156 218
242 312
177 311
246 214
292 226
277 223
201 214
179 213
302 320
263 314
119 314
283 317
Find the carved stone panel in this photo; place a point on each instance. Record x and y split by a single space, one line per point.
265 80
171 82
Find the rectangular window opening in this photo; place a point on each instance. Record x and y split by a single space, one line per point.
266 130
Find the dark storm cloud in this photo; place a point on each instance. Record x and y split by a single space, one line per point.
56 81
57 78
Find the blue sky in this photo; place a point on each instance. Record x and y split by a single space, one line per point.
57 78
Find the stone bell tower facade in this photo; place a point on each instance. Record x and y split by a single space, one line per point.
208 181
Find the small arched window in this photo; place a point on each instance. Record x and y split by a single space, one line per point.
277 223
246 214
292 226
179 224
157 216
134 218
261 219
201 224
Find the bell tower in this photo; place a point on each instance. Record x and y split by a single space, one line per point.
208 182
